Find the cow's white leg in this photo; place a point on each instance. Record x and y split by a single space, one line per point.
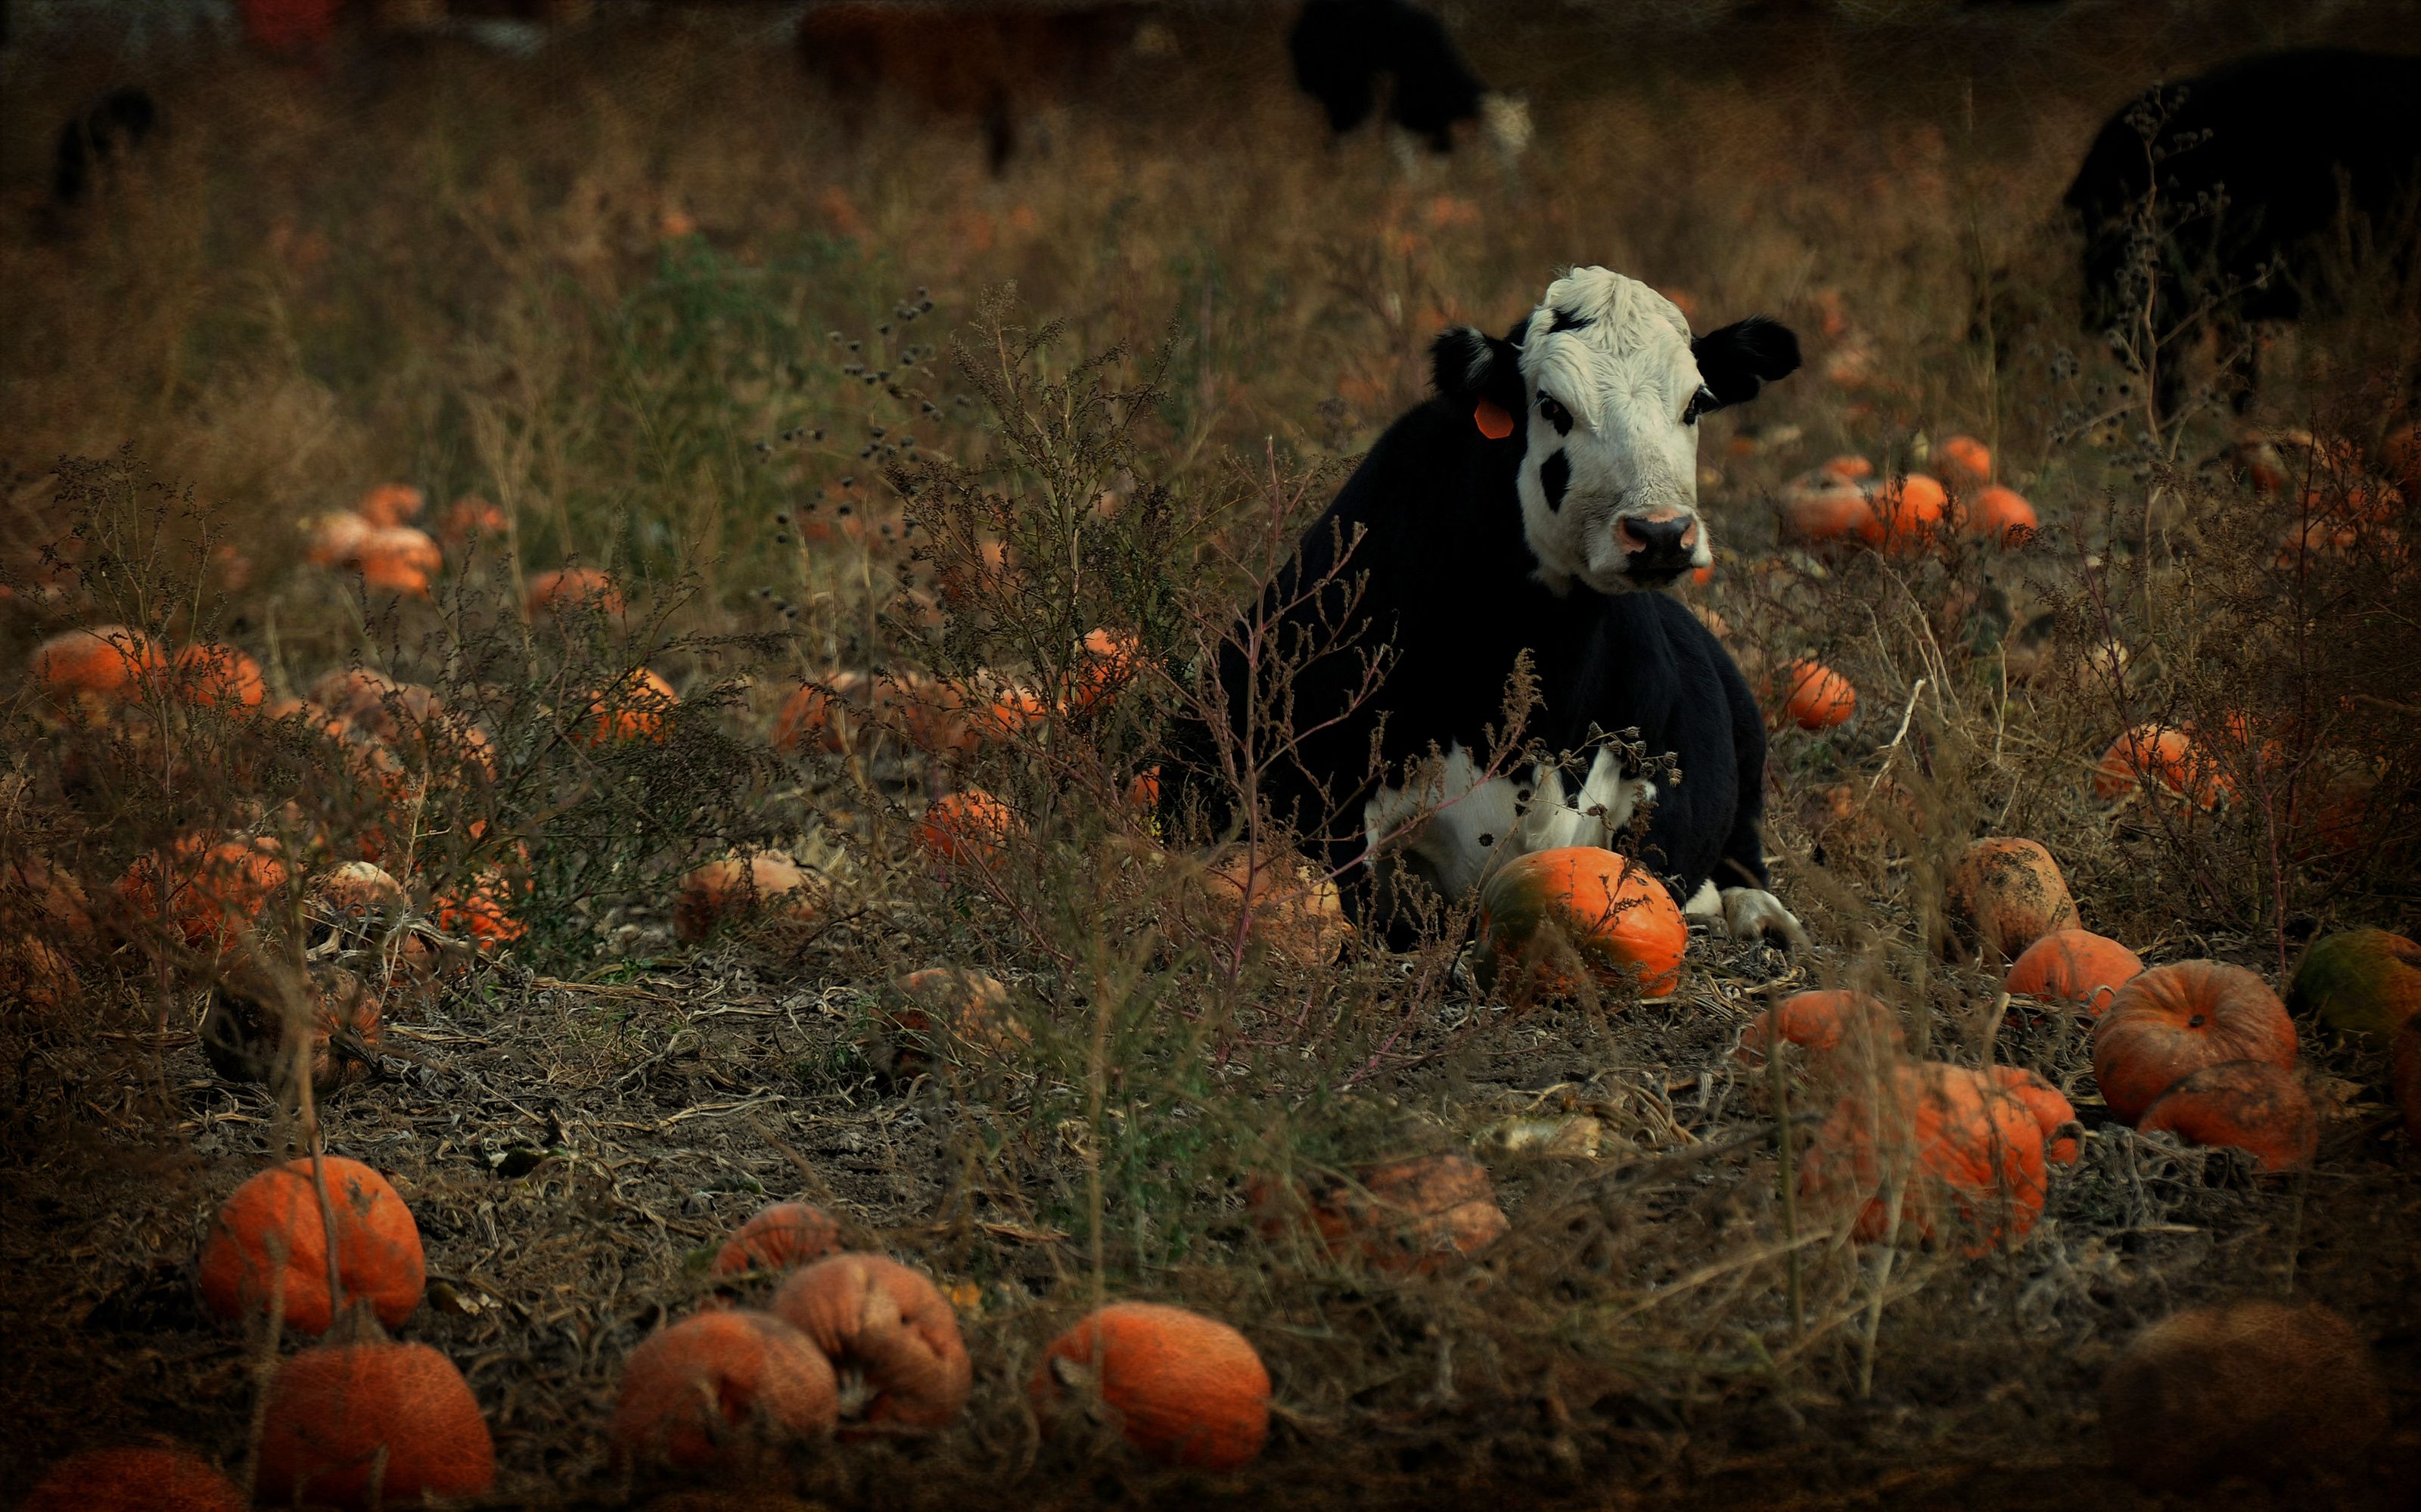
1604 808
1752 912
1468 818
1706 903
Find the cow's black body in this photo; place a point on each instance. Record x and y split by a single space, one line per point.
1342 50
1446 577
2295 141
116 124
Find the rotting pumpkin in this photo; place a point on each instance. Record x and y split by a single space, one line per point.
2172 1020
1186 1390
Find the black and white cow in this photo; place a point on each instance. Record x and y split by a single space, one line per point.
1345 51
2294 140
1536 504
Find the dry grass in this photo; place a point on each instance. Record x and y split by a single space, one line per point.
641 295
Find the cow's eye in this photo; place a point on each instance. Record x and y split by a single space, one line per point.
1552 410
1700 404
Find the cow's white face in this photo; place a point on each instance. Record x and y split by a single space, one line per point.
1609 478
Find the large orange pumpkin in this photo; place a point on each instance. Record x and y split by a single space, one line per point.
1544 914
1818 511
781 1237
88 671
959 1013
136 1478
888 1326
1408 1216
821 715
270 1240
1811 694
342 1419
2000 515
2162 761
2074 966
573 587
721 889
391 504
1822 1024
634 709
2010 894
1965 460
482 909
1969 1156
972 826
2172 1020
2052 1110
1906 514
399 559
219 676
2253 1387
719 1388
1187 1390
2251 1105
206 892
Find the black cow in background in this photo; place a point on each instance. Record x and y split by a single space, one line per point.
1345 51
1538 503
2295 142
110 128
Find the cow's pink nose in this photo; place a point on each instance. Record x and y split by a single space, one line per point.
1666 533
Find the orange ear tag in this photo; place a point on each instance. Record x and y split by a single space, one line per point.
1493 421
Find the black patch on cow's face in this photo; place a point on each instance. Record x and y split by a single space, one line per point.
1566 321
1554 476
1467 365
1738 359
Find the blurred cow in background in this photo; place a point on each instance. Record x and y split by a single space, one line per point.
1344 50
114 126
990 65
2280 150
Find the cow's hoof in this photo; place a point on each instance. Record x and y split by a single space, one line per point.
1753 913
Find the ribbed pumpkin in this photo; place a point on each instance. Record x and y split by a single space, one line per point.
1970 1156
2172 1020
2364 982
768 884
822 715
718 1389
270 1238
2010 894
136 1478
342 1415
2052 1110
1186 1390
966 827
1965 460
92 670
2074 966
1409 1216
573 587
783 1236
634 709
218 677
2163 762
1816 511
1823 1023
1283 904
2248 1105
959 1013
208 892
1551 919
1906 515
1811 694
2253 1387
887 1326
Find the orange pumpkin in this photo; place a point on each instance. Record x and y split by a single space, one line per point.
964 1014
137 1478
1821 1023
2049 1106
720 1389
2163 761
2010 894
1545 914
2249 1105
1144 793
269 1245
219 676
1848 467
1407 1216
247 1031
38 974
1109 663
1906 514
2074 966
1969 1157
469 517
1811 694
1279 905
2172 1020
334 537
370 1424
1816 512
390 504
1965 460
2400 456
208 893
2002 516
783 1236
2255 1387
633 708
1185 1389
721 889
559 588
399 559
482 909
821 715
968 827
889 1325
88 671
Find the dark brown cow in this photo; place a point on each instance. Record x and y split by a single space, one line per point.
990 65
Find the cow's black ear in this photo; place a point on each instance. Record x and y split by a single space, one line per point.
1468 364
1743 357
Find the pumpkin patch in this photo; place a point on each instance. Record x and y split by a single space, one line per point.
268 1248
715 1389
2175 1021
2074 966
2007 894
1181 1388
1553 920
890 1334
342 1419
2248 1105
